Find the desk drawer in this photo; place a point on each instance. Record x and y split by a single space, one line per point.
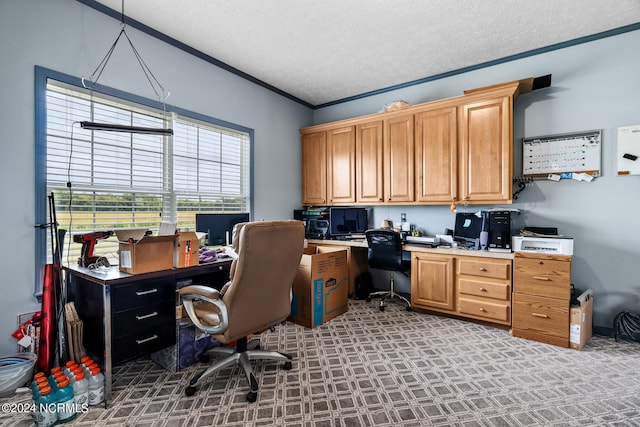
485 267
541 319
477 287
543 277
142 293
144 341
484 308
139 318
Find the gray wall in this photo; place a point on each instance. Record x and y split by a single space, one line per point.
595 86
68 37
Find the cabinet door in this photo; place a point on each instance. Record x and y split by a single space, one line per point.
486 157
314 169
341 165
432 281
436 163
369 162
398 159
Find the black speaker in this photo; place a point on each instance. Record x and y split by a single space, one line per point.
500 229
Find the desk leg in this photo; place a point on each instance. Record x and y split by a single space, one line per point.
107 345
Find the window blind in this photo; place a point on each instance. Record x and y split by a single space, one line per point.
106 180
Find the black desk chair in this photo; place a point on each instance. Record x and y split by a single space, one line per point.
385 253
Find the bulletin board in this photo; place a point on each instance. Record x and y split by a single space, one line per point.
556 154
629 150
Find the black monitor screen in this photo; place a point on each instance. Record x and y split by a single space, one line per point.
219 227
467 228
345 221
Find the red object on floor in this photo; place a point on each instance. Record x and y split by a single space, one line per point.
46 350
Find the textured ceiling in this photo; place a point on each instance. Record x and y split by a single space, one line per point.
323 51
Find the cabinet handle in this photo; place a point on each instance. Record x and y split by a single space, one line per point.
146 316
546 279
150 291
483 290
541 263
151 338
543 316
482 309
483 269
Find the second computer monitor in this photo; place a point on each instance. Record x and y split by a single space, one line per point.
219 227
347 221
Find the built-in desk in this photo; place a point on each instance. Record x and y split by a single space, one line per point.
459 282
126 316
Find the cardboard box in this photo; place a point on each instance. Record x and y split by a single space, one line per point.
580 322
190 345
142 254
321 287
187 249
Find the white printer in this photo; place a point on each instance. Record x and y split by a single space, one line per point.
543 244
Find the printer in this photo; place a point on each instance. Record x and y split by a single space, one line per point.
543 244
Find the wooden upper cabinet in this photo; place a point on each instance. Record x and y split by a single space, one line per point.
369 174
436 163
341 165
398 159
314 169
486 155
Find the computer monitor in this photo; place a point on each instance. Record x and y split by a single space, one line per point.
467 228
219 227
346 221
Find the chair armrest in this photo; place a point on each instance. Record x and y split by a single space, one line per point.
193 293
200 290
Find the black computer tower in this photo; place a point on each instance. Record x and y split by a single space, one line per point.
499 230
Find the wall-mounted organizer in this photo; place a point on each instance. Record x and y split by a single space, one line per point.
578 152
629 150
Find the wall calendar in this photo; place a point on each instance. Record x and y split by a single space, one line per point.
556 154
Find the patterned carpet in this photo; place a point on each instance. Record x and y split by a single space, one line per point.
392 368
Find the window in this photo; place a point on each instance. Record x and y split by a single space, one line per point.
104 180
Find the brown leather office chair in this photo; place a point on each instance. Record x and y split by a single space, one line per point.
385 253
257 296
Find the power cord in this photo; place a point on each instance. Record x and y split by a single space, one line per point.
627 324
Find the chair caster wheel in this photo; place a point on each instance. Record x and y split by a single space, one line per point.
368 299
408 308
382 308
287 366
190 391
252 396
204 358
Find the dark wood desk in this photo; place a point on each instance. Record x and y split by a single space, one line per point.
126 316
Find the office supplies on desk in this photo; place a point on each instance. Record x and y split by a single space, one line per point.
423 240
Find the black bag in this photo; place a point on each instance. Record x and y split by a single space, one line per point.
364 285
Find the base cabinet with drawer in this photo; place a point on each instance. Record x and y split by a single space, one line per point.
477 287
541 297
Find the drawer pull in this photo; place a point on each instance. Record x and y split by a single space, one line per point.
546 279
543 316
151 338
150 291
483 269
482 309
146 316
483 290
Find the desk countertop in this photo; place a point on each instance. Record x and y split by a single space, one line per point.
420 248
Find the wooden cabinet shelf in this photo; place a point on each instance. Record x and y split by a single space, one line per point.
457 150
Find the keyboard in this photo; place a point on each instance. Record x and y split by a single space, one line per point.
423 240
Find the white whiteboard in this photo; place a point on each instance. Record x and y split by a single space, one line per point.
629 150
574 152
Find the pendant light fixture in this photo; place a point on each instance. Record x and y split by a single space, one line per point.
158 89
